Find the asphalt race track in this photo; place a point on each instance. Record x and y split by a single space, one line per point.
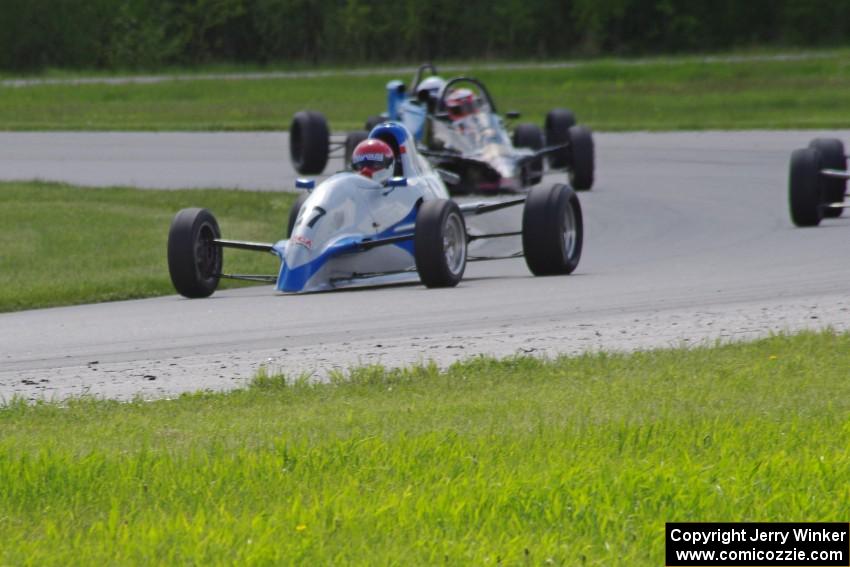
687 241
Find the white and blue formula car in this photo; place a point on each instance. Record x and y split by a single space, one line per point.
352 231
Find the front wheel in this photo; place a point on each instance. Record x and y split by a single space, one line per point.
440 243
309 142
583 159
804 188
194 260
294 211
552 230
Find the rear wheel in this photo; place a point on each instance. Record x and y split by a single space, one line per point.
530 136
832 157
804 188
309 142
194 260
552 230
582 161
351 141
558 122
440 243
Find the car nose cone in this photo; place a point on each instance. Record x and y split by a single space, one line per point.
300 263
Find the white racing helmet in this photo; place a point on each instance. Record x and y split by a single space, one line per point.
433 86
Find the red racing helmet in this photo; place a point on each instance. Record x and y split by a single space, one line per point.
373 158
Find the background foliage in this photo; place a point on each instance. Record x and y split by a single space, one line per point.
116 34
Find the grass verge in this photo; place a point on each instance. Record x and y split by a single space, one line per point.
578 461
667 94
61 244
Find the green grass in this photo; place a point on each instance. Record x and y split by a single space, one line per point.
61 244
752 51
579 461
664 94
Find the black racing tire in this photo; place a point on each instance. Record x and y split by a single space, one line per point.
804 188
552 230
530 136
351 141
439 243
832 157
558 122
194 262
309 142
293 212
583 159
373 121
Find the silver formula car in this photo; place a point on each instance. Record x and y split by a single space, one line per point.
351 231
457 127
817 182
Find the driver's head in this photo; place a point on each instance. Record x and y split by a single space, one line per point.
461 103
430 88
374 159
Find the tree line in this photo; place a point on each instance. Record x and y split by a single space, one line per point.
146 34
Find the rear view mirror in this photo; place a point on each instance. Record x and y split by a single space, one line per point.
397 182
513 114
